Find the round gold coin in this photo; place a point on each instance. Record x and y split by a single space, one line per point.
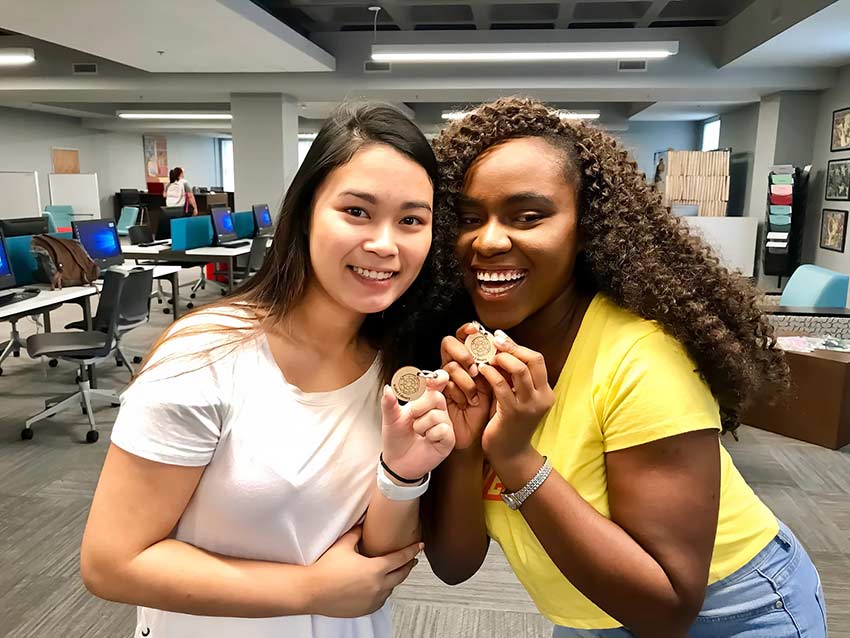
481 346
407 384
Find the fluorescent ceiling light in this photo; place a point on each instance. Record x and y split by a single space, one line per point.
16 57
307 137
138 115
563 114
511 52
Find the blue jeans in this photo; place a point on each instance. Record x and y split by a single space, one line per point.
776 595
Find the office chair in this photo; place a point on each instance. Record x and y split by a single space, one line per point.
91 347
129 217
134 312
132 197
815 287
59 217
259 246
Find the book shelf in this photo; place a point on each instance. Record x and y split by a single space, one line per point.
695 178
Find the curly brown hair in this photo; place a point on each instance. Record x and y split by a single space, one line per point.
634 250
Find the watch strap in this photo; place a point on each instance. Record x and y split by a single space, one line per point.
514 500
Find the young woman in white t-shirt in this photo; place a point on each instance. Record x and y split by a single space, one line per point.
242 493
178 192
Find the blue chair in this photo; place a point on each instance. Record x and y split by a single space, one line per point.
815 287
243 223
59 217
129 216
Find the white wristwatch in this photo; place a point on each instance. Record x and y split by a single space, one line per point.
399 492
514 500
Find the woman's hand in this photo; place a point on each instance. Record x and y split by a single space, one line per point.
522 396
416 437
467 393
346 585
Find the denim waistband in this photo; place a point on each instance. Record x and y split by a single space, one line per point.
783 541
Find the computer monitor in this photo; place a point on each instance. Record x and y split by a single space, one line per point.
20 226
263 220
166 214
222 220
7 277
100 239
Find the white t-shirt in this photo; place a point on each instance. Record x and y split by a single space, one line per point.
175 193
287 472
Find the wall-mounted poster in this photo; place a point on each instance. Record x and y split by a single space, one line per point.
840 130
156 158
66 160
833 229
838 180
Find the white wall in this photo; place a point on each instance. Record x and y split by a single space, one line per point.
644 139
836 98
738 132
27 139
196 155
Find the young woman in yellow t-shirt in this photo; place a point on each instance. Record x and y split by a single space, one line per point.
630 348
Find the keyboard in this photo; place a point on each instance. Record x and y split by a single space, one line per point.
812 326
18 296
235 244
158 242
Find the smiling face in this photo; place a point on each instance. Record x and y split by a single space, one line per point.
370 229
518 230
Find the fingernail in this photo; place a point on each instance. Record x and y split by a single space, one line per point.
500 338
421 546
474 400
473 370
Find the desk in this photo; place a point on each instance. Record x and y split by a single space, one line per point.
816 409
193 256
806 311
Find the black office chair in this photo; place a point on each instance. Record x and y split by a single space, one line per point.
259 246
140 234
90 347
135 312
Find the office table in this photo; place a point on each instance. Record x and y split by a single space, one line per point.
194 256
816 408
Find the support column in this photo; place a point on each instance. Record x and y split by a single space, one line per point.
265 147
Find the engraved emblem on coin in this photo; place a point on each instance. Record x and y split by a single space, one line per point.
408 384
481 347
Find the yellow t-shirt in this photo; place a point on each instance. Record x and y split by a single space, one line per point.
624 383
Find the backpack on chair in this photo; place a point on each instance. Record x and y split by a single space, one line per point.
63 262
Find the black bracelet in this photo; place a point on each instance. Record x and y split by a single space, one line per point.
398 478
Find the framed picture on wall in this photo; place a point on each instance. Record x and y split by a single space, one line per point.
833 229
840 130
838 180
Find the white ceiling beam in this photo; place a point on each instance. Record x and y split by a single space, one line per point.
652 13
480 13
565 13
400 15
760 22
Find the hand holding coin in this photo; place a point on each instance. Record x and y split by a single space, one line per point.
481 345
416 436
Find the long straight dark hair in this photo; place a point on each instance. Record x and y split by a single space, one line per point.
281 282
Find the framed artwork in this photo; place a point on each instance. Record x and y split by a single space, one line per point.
838 180
156 157
66 160
833 229
840 130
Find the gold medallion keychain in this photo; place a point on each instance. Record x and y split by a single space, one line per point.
481 345
408 382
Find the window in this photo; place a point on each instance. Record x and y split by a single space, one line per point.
711 135
227 178
226 154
